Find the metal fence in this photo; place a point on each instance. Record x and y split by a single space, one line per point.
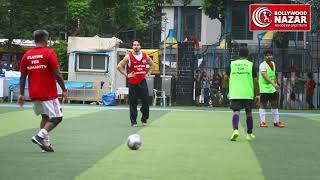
292 66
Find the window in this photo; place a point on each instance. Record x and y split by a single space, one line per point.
92 62
296 36
191 22
240 21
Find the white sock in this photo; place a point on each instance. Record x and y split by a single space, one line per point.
43 133
46 140
262 114
275 113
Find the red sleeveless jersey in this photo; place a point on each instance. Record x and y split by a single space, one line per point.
139 67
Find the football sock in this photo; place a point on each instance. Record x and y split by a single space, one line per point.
249 124
235 121
275 113
262 114
43 133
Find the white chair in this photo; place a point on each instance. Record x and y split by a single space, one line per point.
159 95
121 93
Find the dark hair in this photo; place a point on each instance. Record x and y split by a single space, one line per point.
39 35
138 40
243 52
310 75
268 51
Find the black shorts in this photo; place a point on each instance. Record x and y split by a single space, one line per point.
238 104
271 97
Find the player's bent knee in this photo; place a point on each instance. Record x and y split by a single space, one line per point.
56 120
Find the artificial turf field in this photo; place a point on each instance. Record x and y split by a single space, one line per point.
177 145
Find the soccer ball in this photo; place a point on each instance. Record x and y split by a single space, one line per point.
134 142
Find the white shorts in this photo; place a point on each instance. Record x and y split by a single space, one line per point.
50 108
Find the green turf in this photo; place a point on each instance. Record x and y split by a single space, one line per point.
289 153
7 109
79 142
182 145
90 144
22 119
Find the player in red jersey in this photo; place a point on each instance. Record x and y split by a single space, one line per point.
137 62
41 66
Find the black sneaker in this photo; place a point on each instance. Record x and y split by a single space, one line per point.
39 141
49 149
144 122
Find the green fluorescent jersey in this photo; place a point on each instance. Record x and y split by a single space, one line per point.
241 79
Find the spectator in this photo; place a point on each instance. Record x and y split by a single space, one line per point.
1 68
225 88
194 40
205 86
197 86
311 84
215 86
299 89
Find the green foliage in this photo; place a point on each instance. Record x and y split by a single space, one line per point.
20 18
214 9
281 39
78 8
61 50
103 17
315 23
129 14
186 2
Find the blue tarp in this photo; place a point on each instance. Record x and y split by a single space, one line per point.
109 99
14 82
79 85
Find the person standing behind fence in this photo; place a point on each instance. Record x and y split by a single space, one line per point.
41 66
215 88
205 86
311 84
197 87
225 88
243 88
268 90
137 62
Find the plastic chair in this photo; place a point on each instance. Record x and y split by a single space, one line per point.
122 93
159 95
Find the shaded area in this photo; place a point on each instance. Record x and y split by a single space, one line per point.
289 153
78 142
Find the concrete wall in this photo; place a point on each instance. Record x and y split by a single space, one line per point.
210 30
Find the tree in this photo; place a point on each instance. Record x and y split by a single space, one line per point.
60 48
315 7
215 9
79 17
111 17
